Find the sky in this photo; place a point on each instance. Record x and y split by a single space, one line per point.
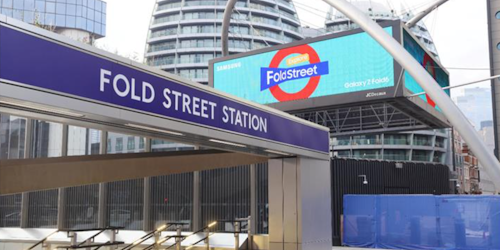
459 29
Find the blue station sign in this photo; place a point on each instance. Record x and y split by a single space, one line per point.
57 67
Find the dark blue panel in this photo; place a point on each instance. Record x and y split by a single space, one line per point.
40 63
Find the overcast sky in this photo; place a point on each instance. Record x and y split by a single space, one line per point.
459 29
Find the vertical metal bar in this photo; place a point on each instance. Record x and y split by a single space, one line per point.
61 209
24 210
252 224
102 207
196 201
61 201
28 140
147 224
146 205
103 192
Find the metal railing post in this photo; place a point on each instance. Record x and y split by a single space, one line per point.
207 239
178 239
236 235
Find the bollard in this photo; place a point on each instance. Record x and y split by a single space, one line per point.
236 235
178 238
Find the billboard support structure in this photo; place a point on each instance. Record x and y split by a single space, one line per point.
423 78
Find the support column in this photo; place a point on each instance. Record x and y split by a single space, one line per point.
299 204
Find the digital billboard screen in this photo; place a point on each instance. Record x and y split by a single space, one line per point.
347 64
427 61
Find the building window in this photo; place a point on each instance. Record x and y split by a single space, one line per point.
141 143
131 143
119 144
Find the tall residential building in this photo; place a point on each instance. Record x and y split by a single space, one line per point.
422 146
82 20
337 22
475 103
185 34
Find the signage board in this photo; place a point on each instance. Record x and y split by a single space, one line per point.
49 65
429 63
330 66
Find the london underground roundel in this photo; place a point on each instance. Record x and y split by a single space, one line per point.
431 68
273 76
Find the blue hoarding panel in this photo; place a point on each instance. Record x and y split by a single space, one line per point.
422 222
428 63
346 64
48 65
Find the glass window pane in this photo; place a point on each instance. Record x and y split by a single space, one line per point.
124 143
80 23
18 14
91 4
71 21
60 20
7 12
90 26
79 10
83 141
7 3
29 16
50 7
90 14
98 5
12 137
61 8
71 10
47 139
18 4
40 6
29 5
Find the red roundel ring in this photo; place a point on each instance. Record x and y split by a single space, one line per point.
432 71
311 86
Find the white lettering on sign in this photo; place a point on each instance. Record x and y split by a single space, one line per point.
244 119
125 87
367 83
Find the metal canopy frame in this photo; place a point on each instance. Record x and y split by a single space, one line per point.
363 119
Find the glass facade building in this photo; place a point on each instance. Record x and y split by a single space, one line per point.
88 16
185 34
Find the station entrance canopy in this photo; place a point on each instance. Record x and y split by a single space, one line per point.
45 76
345 81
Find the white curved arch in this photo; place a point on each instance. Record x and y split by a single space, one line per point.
429 84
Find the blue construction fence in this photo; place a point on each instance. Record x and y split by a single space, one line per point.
422 222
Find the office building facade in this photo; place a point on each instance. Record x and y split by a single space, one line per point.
82 20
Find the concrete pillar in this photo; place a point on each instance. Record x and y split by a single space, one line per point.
299 204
